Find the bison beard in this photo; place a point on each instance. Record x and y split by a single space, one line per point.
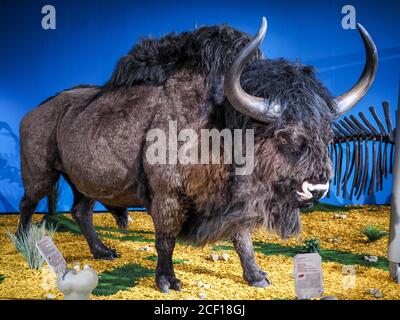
95 138
276 216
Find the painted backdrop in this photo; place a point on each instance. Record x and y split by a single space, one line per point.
91 35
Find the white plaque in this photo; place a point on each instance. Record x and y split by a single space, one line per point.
308 276
51 254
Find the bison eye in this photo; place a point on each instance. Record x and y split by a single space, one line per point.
283 138
290 142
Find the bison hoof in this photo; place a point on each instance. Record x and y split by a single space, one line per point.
260 284
105 254
164 283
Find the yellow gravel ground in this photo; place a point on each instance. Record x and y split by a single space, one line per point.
224 277
348 231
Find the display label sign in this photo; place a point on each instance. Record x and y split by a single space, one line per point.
51 255
308 276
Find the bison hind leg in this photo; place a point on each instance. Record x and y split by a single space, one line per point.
36 188
27 208
121 215
82 212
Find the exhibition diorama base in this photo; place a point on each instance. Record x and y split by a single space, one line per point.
131 276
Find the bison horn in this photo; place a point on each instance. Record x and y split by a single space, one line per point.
346 101
243 102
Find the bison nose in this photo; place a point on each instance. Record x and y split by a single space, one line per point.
318 194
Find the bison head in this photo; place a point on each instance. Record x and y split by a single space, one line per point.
292 114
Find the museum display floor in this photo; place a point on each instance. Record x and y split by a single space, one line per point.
347 275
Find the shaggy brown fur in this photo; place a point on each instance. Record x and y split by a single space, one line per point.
95 137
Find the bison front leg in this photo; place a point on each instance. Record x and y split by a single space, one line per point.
165 275
251 271
168 217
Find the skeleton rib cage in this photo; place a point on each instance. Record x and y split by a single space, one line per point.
358 169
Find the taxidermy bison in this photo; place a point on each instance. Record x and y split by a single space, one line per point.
212 78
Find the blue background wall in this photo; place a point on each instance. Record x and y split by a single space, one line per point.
91 35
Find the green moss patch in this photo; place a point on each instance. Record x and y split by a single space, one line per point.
66 224
133 238
123 231
122 278
328 208
175 261
1 278
342 257
268 249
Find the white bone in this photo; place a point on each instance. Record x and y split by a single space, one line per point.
307 187
78 285
304 196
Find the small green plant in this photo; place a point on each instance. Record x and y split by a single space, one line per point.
52 202
25 242
53 199
312 245
374 233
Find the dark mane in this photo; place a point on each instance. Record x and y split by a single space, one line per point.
208 50
295 87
